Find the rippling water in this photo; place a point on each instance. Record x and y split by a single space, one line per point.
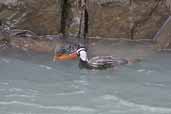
32 84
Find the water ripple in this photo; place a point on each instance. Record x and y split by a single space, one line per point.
5 60
46 67
72 93
21 95
121 102
62 108
4 83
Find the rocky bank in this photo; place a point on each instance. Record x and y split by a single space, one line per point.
132 19
107 18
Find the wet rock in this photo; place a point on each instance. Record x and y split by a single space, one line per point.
120 18
163 36
22 33
38 16
42 46
107 18
52 37
4 44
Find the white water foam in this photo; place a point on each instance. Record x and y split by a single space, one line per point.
82 82
20 95
141 70
22 92
5 60
62 108
71 93
46 67
132 105
15 90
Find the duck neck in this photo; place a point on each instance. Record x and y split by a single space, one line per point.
83 56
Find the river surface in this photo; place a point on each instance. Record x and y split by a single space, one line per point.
32 84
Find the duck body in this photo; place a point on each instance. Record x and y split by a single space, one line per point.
103 62
99 62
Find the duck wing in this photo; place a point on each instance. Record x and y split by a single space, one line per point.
106 61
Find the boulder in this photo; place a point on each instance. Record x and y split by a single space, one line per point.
163 36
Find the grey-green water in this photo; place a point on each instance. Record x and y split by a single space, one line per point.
33 84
